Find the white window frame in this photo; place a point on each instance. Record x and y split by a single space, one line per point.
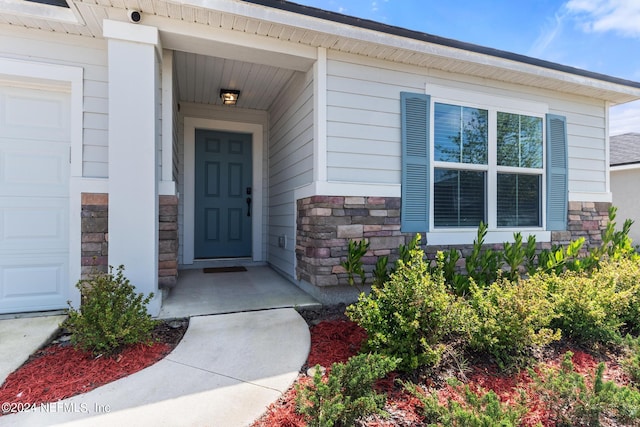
493 104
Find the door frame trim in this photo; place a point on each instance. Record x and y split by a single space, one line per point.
256 132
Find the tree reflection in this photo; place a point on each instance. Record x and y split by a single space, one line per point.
461 134
519 141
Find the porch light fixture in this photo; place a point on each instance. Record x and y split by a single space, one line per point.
229 96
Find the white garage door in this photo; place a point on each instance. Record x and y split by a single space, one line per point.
34 198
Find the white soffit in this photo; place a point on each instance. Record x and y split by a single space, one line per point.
39 10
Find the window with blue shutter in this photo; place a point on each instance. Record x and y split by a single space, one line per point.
557 175
415 109
473 177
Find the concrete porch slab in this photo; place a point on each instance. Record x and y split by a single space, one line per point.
258 288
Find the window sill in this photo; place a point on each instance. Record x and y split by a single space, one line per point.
445 237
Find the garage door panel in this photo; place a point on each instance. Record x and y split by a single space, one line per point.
33 283
34 114
35 226
33 169
34 199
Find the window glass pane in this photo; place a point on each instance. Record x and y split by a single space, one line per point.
519 140
530 142
474 136
460 134
446 133
519 201
459 198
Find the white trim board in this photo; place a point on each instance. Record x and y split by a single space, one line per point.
256 131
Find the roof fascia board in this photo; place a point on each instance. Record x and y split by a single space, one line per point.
380 28
184 36
626 167
401 38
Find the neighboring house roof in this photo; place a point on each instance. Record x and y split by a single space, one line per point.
624 149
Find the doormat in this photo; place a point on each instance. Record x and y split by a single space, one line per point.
223 269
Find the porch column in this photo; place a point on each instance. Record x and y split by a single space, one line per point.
133 140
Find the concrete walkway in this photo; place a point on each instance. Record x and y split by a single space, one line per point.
225 372
20 337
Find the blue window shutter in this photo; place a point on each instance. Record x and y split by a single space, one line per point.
557 172
415 162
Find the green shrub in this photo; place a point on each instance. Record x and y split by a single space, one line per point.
623 403
615 244
475 410
565 395
111 316
353 265
447 265
631 363
513 318
625 271
514 255
592 307
347 394
572 401
411 315
381 271
482 264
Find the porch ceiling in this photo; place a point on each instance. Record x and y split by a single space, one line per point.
200 78
298 29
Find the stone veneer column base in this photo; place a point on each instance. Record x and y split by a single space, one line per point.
95 233
168 242
95 237
325 226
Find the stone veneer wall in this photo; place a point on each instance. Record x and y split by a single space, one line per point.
325 224
585 219
95 237
95 233
168 242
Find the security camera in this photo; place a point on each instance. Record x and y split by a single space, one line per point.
134 16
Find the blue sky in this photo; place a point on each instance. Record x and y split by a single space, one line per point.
596 35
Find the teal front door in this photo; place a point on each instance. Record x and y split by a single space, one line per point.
223 195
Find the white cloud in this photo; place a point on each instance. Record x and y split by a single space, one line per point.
551 30
620 16
625 118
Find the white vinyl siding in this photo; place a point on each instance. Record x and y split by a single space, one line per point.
91 55
290 165
363 120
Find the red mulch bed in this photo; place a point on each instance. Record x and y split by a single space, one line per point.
59 371
337 340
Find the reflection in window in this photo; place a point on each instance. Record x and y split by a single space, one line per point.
460 134
519 141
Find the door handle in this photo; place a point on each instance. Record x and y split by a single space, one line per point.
248 206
